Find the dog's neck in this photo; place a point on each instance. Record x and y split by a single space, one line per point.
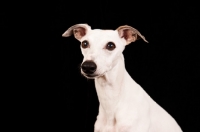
109 87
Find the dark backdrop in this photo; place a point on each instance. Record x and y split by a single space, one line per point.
167 67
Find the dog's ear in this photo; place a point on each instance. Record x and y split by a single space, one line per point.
79 30
130 34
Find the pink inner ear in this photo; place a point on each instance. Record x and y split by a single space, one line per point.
79 32
127 34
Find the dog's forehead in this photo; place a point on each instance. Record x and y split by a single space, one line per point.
98 34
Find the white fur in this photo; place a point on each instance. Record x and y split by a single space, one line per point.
124 105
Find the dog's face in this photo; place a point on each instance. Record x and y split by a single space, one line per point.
101 48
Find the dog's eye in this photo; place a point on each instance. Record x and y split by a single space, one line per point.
85 44
110 46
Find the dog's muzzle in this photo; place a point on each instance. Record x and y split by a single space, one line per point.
88 68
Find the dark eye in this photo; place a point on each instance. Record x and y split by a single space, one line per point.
110 46
85 44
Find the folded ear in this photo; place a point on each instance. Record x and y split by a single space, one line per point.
130 34
79 30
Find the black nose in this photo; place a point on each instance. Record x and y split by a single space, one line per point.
89 67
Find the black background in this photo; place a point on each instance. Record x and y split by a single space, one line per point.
167 67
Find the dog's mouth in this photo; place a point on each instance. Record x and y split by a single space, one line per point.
92 76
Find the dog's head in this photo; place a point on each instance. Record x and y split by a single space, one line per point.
101 48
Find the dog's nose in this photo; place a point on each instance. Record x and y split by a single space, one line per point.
89 67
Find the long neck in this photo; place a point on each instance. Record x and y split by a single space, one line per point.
109 87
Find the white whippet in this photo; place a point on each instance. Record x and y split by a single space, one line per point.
124 105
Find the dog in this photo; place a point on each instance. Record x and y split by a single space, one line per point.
123 104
